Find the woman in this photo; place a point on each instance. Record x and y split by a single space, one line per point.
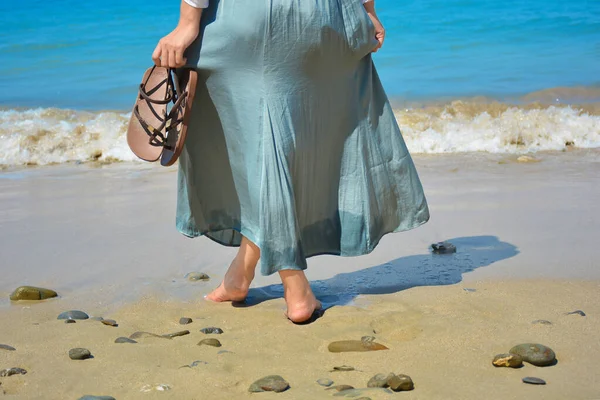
292 149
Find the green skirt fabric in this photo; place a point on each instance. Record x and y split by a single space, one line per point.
292 142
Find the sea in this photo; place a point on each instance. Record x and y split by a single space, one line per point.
495 76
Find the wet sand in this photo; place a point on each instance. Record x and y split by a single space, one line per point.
104 238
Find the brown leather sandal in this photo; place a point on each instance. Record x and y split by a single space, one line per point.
153 131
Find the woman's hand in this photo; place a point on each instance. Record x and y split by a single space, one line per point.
379 29
170 49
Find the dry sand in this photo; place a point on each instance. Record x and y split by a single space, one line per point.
103 238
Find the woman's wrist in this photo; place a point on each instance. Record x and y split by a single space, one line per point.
189 16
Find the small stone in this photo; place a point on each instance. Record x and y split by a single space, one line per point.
343 368
109 322
469 290
401 383
541 322
271 383
533 380
210 342
185 320
354 345
12 371
70 321
96 318
508 360
224 352
367 339
212 330
6 347
340 388
177 334
124 340
535 354
379 381
139 335
73 314
527 159
198 362
197 276
443 248
79 354
90 397
577 312
32 293
325 382
163 387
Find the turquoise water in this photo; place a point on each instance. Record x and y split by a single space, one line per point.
91 55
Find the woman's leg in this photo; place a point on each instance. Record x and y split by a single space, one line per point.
239 275
299 297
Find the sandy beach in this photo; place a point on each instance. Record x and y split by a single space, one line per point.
103 237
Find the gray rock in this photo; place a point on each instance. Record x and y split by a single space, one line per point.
73 314
534 353
198 362
469 290
325 382
109 322
379 381
577 312
124 340
354 345
224 352
79 353
534 381
32 293
177 334
185 320
508 360
443 248
12 371
97 318
342 368
210 342
197 276
140 335
212 330
400 383
70 321
271 383
541 322
90 397
6 347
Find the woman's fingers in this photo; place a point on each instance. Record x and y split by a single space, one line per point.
156 55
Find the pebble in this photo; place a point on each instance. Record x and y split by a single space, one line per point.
340 388
443 248
12 371
541 322
124 340
32 293
401 383
379 381
6 347
325 382
109 322
534 381
197 276
527 159
535 354
210 342
90 397
79 353
185 320
508 360
97 318
138 335
342 368
163 387
212 330
176 334
225 352
198 362
73 314
70 321
354 345
271 383
469 290
577 312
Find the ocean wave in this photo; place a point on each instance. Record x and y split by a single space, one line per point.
51 136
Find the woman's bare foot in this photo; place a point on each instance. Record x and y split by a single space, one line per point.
239 276
299 297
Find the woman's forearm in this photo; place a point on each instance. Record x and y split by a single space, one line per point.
369 6
191 12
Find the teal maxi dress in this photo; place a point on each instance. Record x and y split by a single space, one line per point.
292 142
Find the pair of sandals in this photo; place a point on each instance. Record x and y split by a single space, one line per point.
161 114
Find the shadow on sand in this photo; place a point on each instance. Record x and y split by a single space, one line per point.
402 273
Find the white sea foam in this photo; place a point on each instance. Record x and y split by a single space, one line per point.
47 136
